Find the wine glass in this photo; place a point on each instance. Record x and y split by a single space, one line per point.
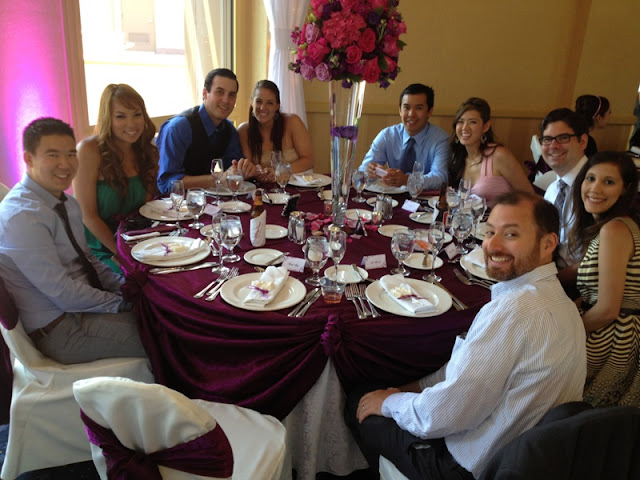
453 200
461 225
402 246
316 253
283 174
217 170
436 240
231 233
478 208
196 201
176 193
275 160
216 241
464 189
415 184
358 179
337 248
234 181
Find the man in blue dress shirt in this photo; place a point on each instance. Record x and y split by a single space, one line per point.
413 144
189 141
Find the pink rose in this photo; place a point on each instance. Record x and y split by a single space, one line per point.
354 54
316 51
402 28
378 4
391 64
371 71
348 4
367 41
390 45
307 72
317 6
311 32
322 72
356 68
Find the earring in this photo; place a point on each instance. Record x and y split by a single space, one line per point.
483 138
457 140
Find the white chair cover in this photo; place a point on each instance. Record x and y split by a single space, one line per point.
388 470
153 417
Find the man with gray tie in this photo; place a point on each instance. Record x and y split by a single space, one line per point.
563 137
411 142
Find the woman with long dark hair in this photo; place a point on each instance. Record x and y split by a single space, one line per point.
596 110
606 231
117 168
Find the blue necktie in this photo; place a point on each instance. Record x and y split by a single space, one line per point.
408 156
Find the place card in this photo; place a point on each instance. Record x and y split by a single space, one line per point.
372 262
294 264
410 206
450 250
211 209
381 172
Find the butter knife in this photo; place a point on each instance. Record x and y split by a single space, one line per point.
274 260
304 301
457 304
311 301
161 270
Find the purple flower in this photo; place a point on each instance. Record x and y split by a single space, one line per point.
312 32
373 19
322 72
307 72
350 133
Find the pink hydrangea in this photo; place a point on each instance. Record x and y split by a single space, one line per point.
343 28
354 54
367 41
371 71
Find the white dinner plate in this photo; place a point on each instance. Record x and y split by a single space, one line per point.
346 274
389 230
422 217
223 191
198 255
415 261
474 269
235 207
447 239
319 180
379 187
276 198
150 210
275 231
235 290
353 215
432 201
262 256
371 201
381 299
482 230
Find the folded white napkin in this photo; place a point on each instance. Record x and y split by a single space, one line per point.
142 236
170 250
307 179
404 295
165 207
476 256
265 289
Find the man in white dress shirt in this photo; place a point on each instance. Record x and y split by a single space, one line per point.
523 355
563 137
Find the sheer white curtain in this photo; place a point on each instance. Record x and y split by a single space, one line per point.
284 16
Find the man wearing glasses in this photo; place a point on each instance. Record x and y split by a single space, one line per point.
563 137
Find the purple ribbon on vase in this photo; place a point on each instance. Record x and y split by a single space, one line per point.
349 132
209 455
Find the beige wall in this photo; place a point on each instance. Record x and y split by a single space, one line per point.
525 58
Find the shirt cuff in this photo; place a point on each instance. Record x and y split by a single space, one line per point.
393 402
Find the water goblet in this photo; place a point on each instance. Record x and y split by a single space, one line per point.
217 171
436 240
337 248
215 243
415 183
176 194
464 189
316 253
358 179
196 201
461 225
478 208
402 246
275 160
234 181
231 233
283 174
453 200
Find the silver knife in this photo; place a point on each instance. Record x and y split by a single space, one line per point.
306 298
273 261
457 304
311 301
182 269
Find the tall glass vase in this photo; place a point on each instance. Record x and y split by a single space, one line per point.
345 109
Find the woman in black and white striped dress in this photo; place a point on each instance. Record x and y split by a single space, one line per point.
606 229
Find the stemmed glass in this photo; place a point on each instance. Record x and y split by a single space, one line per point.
337 248
231 233
453 200
402 244
217 170
478 209
358 179
436 240
464 189
316 253
196 201
415 184
283 174
461 225
217 240
234 180
176 193
275 160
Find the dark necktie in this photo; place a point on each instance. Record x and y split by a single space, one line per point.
61 210
561 197
409 156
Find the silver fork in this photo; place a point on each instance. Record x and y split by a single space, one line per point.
363 296
214 293
470 281
348 291
202 292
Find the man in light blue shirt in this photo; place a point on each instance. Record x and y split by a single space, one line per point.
412 144
523 355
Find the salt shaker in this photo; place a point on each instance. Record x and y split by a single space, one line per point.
296 231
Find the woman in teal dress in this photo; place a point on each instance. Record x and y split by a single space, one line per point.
606 231
117 168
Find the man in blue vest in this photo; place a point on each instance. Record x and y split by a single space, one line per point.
189 141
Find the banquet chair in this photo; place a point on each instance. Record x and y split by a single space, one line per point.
45 429
153 418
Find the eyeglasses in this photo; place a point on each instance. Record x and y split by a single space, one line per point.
562 138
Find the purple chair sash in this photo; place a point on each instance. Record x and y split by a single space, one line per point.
209 455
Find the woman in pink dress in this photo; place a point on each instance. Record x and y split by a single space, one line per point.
491 167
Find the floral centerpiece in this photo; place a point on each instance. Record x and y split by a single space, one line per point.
348 43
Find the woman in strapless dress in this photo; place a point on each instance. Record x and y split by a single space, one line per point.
270 130
491 167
